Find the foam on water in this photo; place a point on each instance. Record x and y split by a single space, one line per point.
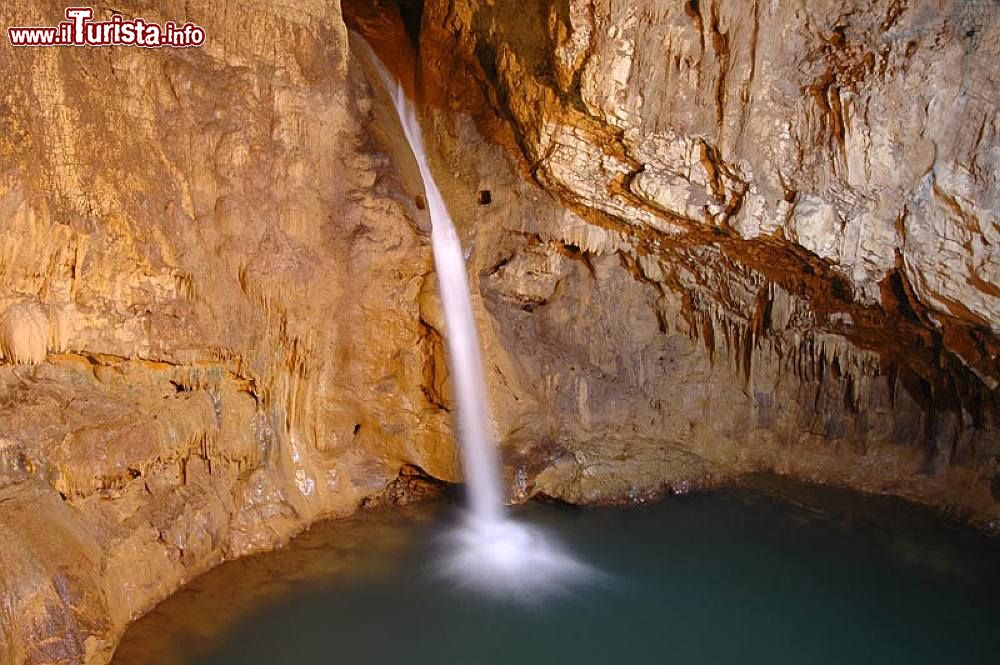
510 560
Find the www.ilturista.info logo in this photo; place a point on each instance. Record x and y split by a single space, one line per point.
79 30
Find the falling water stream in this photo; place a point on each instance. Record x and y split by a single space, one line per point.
491 551
478 448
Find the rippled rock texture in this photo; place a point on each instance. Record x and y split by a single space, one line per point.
704 239
863 132
209 324
779 247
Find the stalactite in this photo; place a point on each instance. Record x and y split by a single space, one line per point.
25 333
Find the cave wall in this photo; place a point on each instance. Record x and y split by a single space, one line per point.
804 196
209 328
620 374
864 132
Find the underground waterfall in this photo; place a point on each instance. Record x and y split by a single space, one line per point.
490 551
621 331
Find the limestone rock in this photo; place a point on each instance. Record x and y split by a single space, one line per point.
792 205
209 330
24 334
865 133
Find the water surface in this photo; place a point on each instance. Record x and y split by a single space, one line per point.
782 574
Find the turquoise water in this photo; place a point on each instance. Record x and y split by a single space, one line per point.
789 575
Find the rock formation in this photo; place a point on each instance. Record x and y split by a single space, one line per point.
796 201
705 238
209 315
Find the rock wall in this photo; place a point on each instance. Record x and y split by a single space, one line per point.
864 132
785 214
209 321
704 239
620 374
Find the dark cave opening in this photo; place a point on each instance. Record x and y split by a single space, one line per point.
367 16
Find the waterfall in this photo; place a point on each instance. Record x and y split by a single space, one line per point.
465 360
490 551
